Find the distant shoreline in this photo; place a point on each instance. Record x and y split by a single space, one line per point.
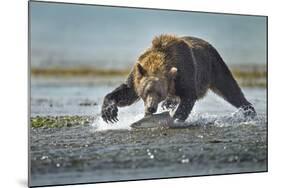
80 72
257 71
246 75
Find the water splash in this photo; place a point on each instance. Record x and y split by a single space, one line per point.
223 120
129 115
126 116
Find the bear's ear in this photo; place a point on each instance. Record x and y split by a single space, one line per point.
173 72
141 70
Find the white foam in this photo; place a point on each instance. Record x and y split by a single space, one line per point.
131 114
222 120
126 116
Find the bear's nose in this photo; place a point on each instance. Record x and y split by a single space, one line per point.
151 109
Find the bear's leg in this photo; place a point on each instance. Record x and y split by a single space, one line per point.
184 109
121 96
225 85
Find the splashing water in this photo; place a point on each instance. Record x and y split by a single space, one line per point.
235 119
204 113
129 115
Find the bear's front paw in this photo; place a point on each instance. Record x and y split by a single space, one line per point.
169 103
249 111
109 112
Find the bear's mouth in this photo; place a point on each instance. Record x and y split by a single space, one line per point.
150 110
147 114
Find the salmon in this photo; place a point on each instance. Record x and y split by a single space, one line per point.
153 121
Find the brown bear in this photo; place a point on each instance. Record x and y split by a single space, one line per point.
178 71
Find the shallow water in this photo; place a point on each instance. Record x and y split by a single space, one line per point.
216 141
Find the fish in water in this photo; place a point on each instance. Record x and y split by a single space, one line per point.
163 119
152 121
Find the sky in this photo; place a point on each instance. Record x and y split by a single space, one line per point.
68 35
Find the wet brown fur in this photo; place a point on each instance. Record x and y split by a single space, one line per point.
199 68
154 61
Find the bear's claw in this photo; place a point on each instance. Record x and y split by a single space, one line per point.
109 112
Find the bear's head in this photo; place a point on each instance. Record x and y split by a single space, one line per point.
153 88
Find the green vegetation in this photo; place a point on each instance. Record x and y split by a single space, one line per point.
70 72
59 121
253 77
249 76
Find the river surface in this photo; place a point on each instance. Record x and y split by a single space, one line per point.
216 140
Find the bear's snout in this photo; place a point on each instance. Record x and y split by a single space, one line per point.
150 110
151 104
